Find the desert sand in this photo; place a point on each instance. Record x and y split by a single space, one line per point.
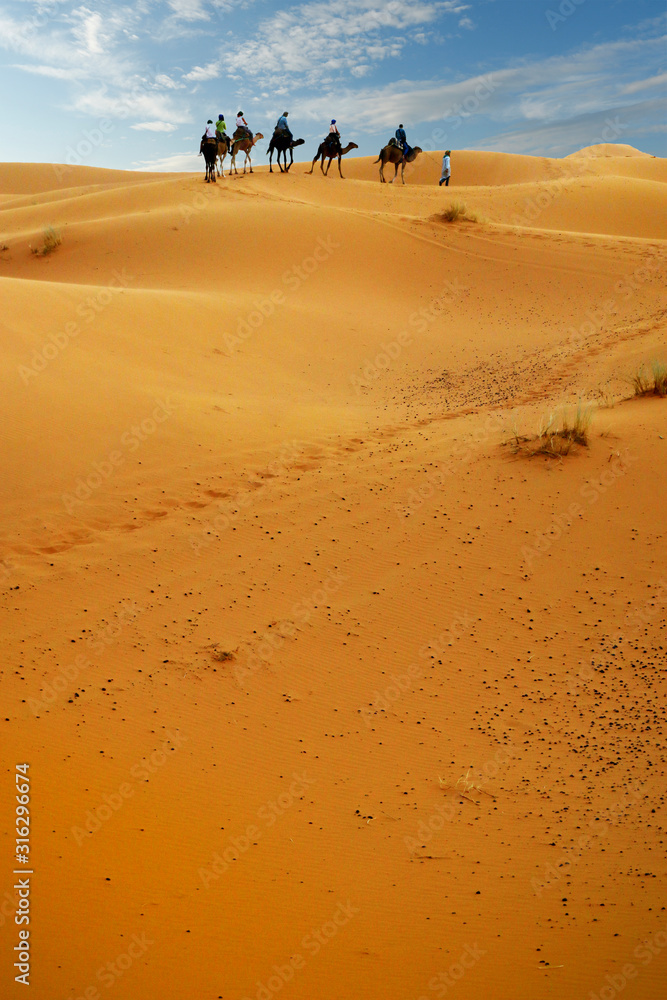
324 690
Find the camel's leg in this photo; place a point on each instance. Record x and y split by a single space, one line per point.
325 172
271 158
339 170
382 180
312 166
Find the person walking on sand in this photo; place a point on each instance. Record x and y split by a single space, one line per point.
446 169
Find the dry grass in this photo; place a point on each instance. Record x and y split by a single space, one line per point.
557 435
650 383
465 786
222 655
50 240
457 210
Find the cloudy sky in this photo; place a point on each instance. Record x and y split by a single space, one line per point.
106 84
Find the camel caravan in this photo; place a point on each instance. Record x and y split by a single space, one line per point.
216 145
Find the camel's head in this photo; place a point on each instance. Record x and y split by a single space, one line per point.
298 142
353 145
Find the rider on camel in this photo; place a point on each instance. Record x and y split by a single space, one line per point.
402 140
242 128
221 128
282 128
333 138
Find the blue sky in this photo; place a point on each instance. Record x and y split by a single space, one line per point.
107 84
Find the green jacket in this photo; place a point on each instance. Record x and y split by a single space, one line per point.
220 126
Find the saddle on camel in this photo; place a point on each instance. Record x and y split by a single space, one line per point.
242 129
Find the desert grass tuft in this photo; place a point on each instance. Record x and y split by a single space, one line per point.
222 655
659 372
650 383
51 239
557 435
457 210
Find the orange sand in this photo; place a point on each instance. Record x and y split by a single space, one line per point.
229 429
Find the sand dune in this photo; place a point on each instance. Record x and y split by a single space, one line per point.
325 691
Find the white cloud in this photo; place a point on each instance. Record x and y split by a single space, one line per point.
89 30
56 72
563 137
140 102
324 38
180 162
162 80
556 89
154 127
201 73
638 85
189 10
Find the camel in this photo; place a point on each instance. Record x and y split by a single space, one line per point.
394 154
280 144
326 149
224 147
209 148
243 146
